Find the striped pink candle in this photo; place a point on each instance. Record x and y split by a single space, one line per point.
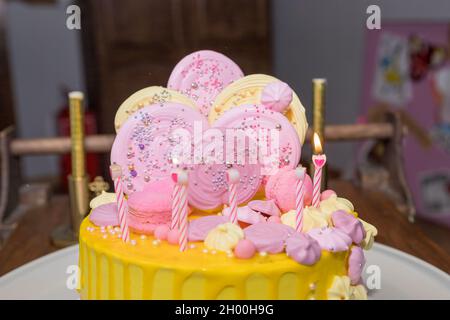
180 206
319 161
116 175
176 208
299 197
233 180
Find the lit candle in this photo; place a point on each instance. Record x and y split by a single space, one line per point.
116 175
299 197
319 159
180 206
233 180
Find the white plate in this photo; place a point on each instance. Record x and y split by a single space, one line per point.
402 277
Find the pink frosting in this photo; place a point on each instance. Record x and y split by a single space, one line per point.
349 224
245 214
280 188
274 219
326 194
199 228
155 197
266 207
303 249
245 249
151 207
161 232
331 239
173 236
268 237
276 96
356 263
105 215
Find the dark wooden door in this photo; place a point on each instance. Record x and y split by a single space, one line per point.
6 100
129 45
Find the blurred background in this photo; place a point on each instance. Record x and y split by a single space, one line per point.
124 46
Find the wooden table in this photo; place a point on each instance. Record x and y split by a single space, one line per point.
31 239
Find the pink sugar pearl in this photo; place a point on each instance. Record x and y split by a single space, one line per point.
245 249
326 194
274 219
173 236
161 232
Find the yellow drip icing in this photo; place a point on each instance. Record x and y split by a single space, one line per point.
111 269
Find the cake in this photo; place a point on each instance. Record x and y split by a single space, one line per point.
191 219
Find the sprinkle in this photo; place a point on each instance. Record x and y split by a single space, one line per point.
263 253
133 242
213 251
205 250
105 236
230 255
143 237
192 246
155 242
312 286
116 229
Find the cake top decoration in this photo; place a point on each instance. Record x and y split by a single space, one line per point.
276 96
202 75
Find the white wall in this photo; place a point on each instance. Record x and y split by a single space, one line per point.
316 38
44 55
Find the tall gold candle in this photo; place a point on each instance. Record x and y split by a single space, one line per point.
319 86
77 134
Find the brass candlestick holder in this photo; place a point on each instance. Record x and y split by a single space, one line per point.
66 235
319 86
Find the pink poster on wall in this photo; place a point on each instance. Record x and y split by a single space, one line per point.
407 68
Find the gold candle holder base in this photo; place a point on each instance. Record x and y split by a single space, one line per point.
66 235
63 236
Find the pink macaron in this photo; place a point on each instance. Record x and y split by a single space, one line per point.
151 207
280 187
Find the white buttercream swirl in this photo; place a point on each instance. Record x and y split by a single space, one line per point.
224 237
342 290
312 218
371 232
103 198
334 203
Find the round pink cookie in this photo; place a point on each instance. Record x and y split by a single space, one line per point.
281 188
268 237
105 215
150 138
202 75
208 185
151 207
264 136
199 228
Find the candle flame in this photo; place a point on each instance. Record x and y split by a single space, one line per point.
317 144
